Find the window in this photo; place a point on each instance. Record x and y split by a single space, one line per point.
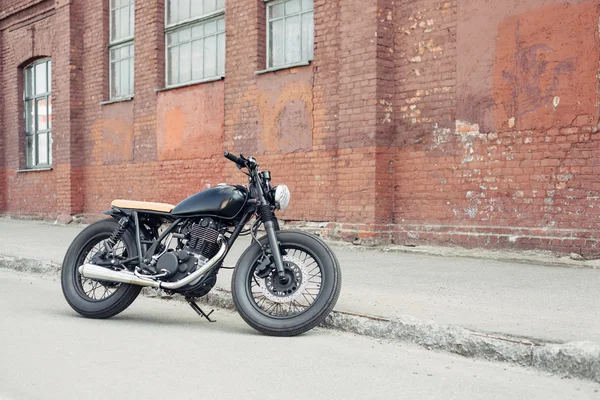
195 40
290 32
121 48
38 114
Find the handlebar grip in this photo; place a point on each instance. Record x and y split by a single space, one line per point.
233 158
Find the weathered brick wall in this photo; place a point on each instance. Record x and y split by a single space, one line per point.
418 121
498 143
23 40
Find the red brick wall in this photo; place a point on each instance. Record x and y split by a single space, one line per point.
418 121
22 42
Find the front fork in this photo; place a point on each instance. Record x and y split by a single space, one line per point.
271 226
275 251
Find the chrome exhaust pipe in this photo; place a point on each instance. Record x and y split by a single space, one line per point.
92 271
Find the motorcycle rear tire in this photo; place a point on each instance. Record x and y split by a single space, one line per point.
72 290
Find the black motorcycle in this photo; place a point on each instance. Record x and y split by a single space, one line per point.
284 284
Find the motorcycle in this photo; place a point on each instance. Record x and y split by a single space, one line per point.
284 284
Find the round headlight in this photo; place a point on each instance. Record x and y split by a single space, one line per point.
282 197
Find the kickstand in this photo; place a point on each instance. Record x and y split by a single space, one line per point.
192 302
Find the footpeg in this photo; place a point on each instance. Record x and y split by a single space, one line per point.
192 302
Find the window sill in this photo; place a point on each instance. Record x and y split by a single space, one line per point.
279 68
118 100
182 85
38 169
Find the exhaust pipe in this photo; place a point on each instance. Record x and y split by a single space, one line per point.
92 271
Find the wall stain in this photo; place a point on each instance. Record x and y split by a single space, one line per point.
544 61
528 92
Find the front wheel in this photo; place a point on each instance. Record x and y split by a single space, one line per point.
298 303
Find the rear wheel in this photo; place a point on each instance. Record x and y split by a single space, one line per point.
89 297
296 304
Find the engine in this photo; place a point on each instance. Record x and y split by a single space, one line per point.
196 249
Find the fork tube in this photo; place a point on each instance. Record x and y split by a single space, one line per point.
270 228
268 216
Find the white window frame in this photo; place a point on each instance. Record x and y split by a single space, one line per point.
191 22
269 5
34 99
120 42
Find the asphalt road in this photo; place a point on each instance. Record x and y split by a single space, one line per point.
161 349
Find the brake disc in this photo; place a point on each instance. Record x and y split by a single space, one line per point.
273 290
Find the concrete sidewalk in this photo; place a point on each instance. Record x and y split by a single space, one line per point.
544 303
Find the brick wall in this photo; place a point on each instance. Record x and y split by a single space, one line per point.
418 121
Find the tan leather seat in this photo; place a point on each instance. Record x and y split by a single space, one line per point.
143 205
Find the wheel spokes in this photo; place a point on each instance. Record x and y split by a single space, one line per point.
280 300
97 290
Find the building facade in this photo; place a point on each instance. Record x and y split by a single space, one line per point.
465 122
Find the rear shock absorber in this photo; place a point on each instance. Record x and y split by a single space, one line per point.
116 234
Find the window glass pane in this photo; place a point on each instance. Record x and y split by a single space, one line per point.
131 66
42 114
42 140
173 65
184 10
220 4
131 19
123 23
29 127
292 40
307 36
115 80
172 38
197 31
49 112
49 75
276 11
307 5
276 43
210 56
221 25
210 27
209 6
114 54
113 24
196 9
50 148
40 78
292 7
124 52
184 35
30 151
29 82
114 4
172 11
197 60
124 75
184 63
221 54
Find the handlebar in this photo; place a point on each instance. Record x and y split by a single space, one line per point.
242 161
235 159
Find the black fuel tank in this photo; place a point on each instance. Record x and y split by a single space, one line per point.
222 201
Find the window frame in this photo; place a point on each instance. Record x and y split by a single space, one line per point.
118 43
34 98
189 23
269 4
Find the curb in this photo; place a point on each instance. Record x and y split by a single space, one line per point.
575 359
